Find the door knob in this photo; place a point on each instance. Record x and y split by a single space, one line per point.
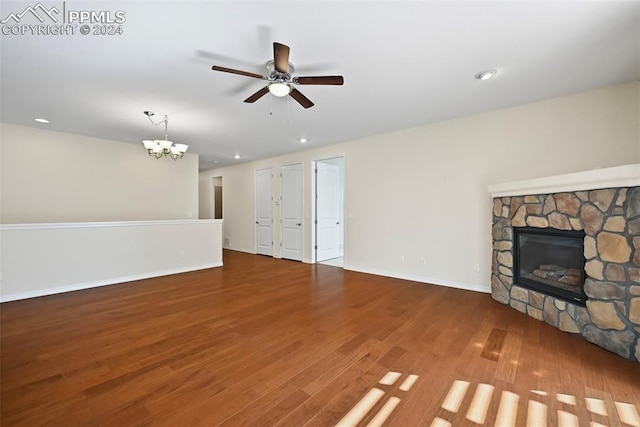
298 224
337 223
256 222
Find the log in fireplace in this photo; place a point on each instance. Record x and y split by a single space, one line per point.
550 261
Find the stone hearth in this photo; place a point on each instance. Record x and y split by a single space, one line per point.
610 218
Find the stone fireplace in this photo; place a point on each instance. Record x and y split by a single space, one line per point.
580 237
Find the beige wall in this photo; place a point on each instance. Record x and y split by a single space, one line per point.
49 177
422 192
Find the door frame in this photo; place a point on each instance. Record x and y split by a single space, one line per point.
313 230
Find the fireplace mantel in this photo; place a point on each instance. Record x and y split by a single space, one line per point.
615 177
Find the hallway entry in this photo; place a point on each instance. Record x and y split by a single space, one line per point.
329 211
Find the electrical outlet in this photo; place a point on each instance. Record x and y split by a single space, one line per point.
476 268
181 254
402 259
423 261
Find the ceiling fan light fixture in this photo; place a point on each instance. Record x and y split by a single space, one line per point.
486 74
279 89
279 79
41 120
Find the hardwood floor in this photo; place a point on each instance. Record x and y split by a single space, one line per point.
268 342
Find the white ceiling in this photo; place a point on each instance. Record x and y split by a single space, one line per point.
404 64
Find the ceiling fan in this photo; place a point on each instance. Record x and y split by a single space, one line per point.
279 78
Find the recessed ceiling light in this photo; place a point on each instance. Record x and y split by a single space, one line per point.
40 120
237 156
303 140
486 74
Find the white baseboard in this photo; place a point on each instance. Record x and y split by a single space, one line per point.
448 284
98 283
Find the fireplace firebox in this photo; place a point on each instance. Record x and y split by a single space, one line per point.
550 261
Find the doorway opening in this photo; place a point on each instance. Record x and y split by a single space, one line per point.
216 198
328 211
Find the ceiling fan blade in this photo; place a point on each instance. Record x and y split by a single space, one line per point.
302 100
259 94
281 57
320 80
242 73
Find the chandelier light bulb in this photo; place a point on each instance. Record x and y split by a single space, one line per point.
166 145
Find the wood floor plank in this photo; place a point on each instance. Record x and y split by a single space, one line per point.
263 341
508 362
493 346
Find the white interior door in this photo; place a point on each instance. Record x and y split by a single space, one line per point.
291 211
328 214
264 212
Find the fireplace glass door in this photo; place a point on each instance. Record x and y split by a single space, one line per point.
550 261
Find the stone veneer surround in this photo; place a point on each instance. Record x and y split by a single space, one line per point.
610 218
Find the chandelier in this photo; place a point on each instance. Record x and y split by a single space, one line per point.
162 147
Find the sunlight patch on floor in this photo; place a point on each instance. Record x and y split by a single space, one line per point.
362 408
480 403
566 398
596 406
384 412
628 414
537 414
408 383
456 393
478 408
507 410
537 410
390 378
